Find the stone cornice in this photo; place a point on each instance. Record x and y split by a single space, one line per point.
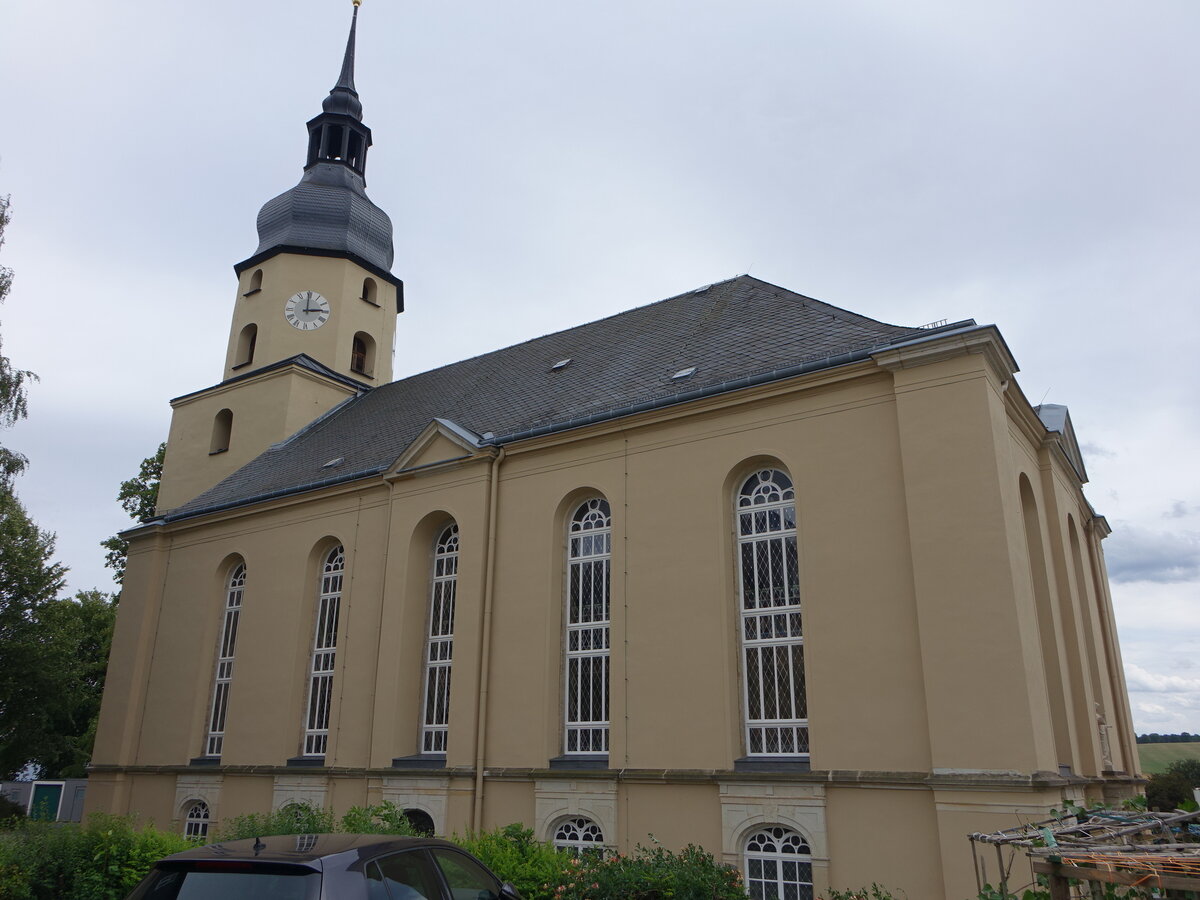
985 340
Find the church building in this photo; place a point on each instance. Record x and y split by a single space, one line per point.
736 568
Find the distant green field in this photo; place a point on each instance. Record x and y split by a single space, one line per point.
1156 757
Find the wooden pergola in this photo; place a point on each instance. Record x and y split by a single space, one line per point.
1098 847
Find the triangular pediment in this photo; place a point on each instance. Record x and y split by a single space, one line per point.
1057 420
442 442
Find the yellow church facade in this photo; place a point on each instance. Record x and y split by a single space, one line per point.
737 568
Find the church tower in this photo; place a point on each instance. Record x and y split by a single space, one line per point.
314 317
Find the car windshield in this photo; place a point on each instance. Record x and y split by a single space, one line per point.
229 883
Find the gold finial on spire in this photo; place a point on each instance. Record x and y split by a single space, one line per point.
358 2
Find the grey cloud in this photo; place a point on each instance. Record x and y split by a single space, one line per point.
1178 510
1138 554
1093 450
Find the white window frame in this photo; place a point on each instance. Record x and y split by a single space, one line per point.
587 630
776 859
439 642
578 835
324 655
235 587
196 820
775 705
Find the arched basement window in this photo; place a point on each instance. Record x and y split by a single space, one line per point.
229 626
579 835
439 646
362 354
195 823
589 543
778 864
421 821
320 682
221 432
776 707
246 342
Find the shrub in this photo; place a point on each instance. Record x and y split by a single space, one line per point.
295 818
542 872
10 810
101 860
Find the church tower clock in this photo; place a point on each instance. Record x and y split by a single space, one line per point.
315 313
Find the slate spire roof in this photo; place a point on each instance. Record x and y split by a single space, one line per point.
734 334
328 212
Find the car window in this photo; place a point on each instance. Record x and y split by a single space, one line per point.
408 876
467 879
242 885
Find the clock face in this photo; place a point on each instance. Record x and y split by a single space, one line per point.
306 310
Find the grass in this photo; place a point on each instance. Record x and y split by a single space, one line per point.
1156 757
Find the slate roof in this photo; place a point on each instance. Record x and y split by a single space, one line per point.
735 333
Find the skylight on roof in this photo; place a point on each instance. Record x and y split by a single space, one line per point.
333 462
684 373
561 364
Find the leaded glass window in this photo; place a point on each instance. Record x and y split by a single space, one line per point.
320 683
579 835
778 865
224 676
772 634
195 824
439 646
589 556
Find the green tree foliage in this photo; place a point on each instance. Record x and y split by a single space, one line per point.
138 496
1188 769
13 381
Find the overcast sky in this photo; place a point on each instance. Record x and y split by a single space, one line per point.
1025 163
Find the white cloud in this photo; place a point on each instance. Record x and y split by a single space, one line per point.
1139 679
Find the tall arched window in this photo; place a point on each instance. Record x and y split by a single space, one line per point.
255 283
320 683
370 291
778 864
195 823
439 646
229 626
772 637
222 431
589 556
579 835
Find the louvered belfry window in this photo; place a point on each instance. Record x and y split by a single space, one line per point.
772 636
320 684
589 555
439 648
229 627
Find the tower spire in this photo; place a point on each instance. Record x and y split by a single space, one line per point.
343 98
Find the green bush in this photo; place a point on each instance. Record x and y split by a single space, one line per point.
295 818
542 872
9 810
101 860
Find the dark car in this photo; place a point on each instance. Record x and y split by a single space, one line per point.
324 867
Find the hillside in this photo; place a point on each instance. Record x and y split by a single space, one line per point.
1156 757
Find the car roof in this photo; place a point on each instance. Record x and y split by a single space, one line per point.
305 848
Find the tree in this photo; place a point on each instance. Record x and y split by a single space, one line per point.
29 581
139 497
1187 769
13 381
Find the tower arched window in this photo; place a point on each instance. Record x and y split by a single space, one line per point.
370 291
362 354
195 823
221 432
234 587
775 704
255 284
439 645
778 863
246 341
320 680
579 835
589 558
